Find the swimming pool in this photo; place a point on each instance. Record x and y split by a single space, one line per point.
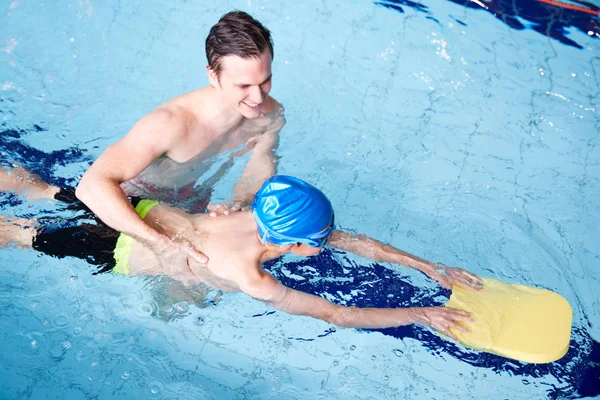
439 128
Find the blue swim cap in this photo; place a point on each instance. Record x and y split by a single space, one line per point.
288 210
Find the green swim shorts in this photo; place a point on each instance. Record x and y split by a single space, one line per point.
125 242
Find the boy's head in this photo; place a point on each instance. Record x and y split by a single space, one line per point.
288 210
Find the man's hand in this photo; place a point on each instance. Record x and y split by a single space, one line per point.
442 319
167 250
450 276
227 207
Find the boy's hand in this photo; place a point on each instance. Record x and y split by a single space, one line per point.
442 319
450 276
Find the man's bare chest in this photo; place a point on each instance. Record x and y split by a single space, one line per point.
205 142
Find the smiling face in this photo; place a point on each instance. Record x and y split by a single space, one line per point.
243 84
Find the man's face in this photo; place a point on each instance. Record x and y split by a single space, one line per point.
244 84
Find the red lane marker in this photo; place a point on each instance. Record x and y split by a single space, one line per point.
570 7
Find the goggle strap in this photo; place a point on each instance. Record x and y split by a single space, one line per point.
311 239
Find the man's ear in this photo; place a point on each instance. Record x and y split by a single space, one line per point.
212 77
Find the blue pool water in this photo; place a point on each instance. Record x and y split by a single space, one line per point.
464 132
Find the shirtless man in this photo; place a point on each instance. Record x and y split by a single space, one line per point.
167 150
287 216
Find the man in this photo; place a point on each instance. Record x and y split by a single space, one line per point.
287 216
166 151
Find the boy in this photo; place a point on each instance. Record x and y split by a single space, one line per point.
287 215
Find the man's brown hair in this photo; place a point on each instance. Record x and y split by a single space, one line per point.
236 33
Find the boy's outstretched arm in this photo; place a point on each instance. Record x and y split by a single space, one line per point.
263 286
375 250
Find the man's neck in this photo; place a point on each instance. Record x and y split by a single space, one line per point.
222 116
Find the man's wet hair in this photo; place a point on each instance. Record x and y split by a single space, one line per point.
236 33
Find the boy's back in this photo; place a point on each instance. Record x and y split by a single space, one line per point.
230 242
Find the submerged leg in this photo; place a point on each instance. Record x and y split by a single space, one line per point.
21 181
18 232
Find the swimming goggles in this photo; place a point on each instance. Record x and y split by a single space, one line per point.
314 240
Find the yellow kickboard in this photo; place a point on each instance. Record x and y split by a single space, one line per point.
515 321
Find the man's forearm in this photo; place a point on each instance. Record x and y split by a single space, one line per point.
107 200
262 163
256 172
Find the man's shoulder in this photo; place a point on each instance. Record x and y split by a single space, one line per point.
272 107
185 105
181 112
273 118
187 99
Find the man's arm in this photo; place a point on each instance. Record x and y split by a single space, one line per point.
260 167
100 190
262 162
266 288
375 250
